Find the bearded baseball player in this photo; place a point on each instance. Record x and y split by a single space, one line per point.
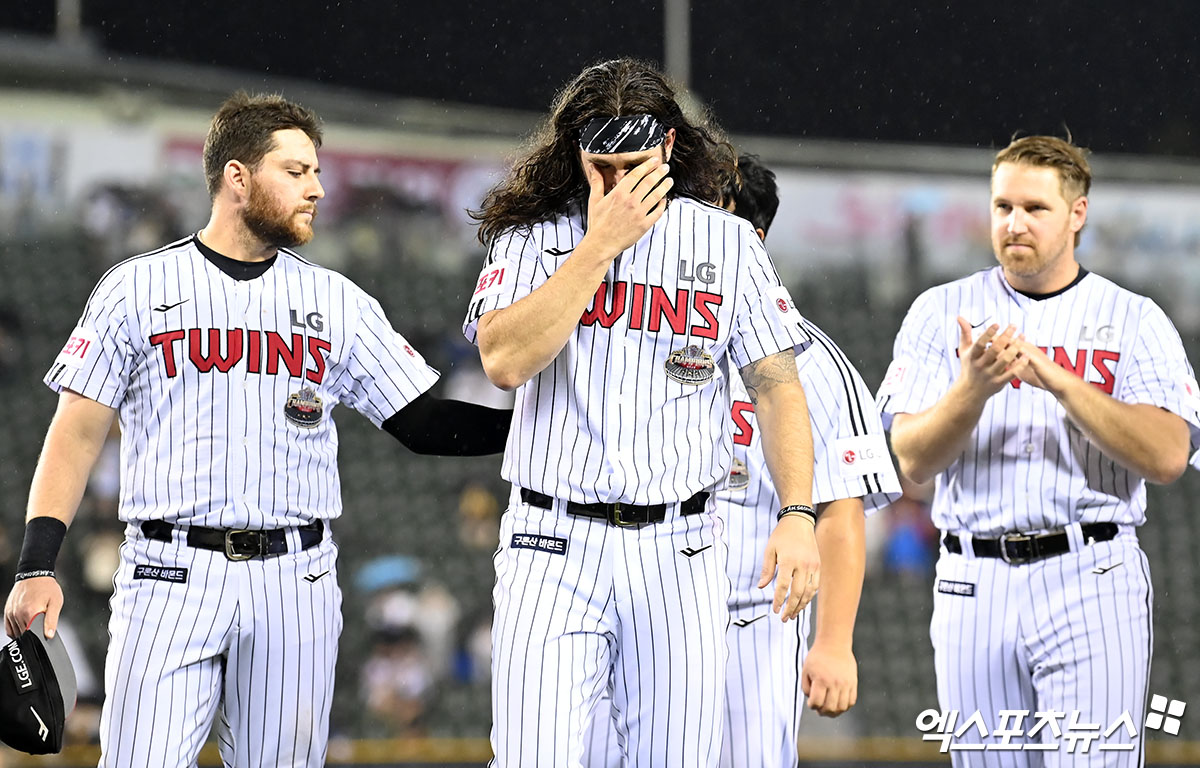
771 667
223 355
616 302
1041 397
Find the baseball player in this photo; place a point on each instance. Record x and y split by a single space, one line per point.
616 302
1041 397
223 355
770 663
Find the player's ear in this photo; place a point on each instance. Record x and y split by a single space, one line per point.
667 144
1079 210
237 178
761 234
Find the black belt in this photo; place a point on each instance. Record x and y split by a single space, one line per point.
237 544
1020 548
618 513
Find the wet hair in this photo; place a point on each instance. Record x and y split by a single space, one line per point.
756 198
549 175
244 130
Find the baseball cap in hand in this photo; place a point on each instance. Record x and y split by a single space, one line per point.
37 691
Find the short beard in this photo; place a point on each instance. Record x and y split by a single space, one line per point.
268 222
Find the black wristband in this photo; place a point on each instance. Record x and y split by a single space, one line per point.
797 509
33 575
43 538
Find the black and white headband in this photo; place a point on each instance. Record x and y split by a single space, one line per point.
630 133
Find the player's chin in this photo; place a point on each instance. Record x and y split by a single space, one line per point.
302 234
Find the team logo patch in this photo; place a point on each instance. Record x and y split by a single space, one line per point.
304 408
898 374
690 365
783 303
494 279
156 573
549 544
862 455
739 475
1191 392
960 588
79 348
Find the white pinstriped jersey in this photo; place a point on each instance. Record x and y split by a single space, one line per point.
225 387
604 421
850 459
1026 468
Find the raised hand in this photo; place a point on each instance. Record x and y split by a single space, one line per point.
618 219
991 361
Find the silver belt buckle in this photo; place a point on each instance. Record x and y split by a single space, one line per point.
1013 537
230 554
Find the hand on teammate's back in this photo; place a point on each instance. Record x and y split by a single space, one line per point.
619 219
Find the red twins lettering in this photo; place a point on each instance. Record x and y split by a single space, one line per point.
222 349
745 430
1102 362
652 308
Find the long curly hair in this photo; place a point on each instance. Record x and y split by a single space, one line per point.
549 175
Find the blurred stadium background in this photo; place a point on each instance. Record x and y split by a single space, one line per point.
102 118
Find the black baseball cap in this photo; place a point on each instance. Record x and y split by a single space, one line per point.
37 691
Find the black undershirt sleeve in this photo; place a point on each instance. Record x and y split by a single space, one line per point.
435 427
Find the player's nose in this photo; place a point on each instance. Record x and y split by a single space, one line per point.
316 192
1016 221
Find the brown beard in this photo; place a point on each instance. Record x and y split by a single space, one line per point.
271 224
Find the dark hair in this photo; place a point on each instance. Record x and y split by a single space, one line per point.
1074 173
756 198
244 129
549 175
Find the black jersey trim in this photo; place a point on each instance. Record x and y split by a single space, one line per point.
1043 296
238 270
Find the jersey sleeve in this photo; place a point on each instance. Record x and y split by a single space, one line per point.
382 372
97 360
767 320
510 272
920 371
850 453
1158 372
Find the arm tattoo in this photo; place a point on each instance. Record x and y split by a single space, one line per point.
761 375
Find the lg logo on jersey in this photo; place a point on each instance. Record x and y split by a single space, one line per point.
1103 333
865 454
706 272
312 320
